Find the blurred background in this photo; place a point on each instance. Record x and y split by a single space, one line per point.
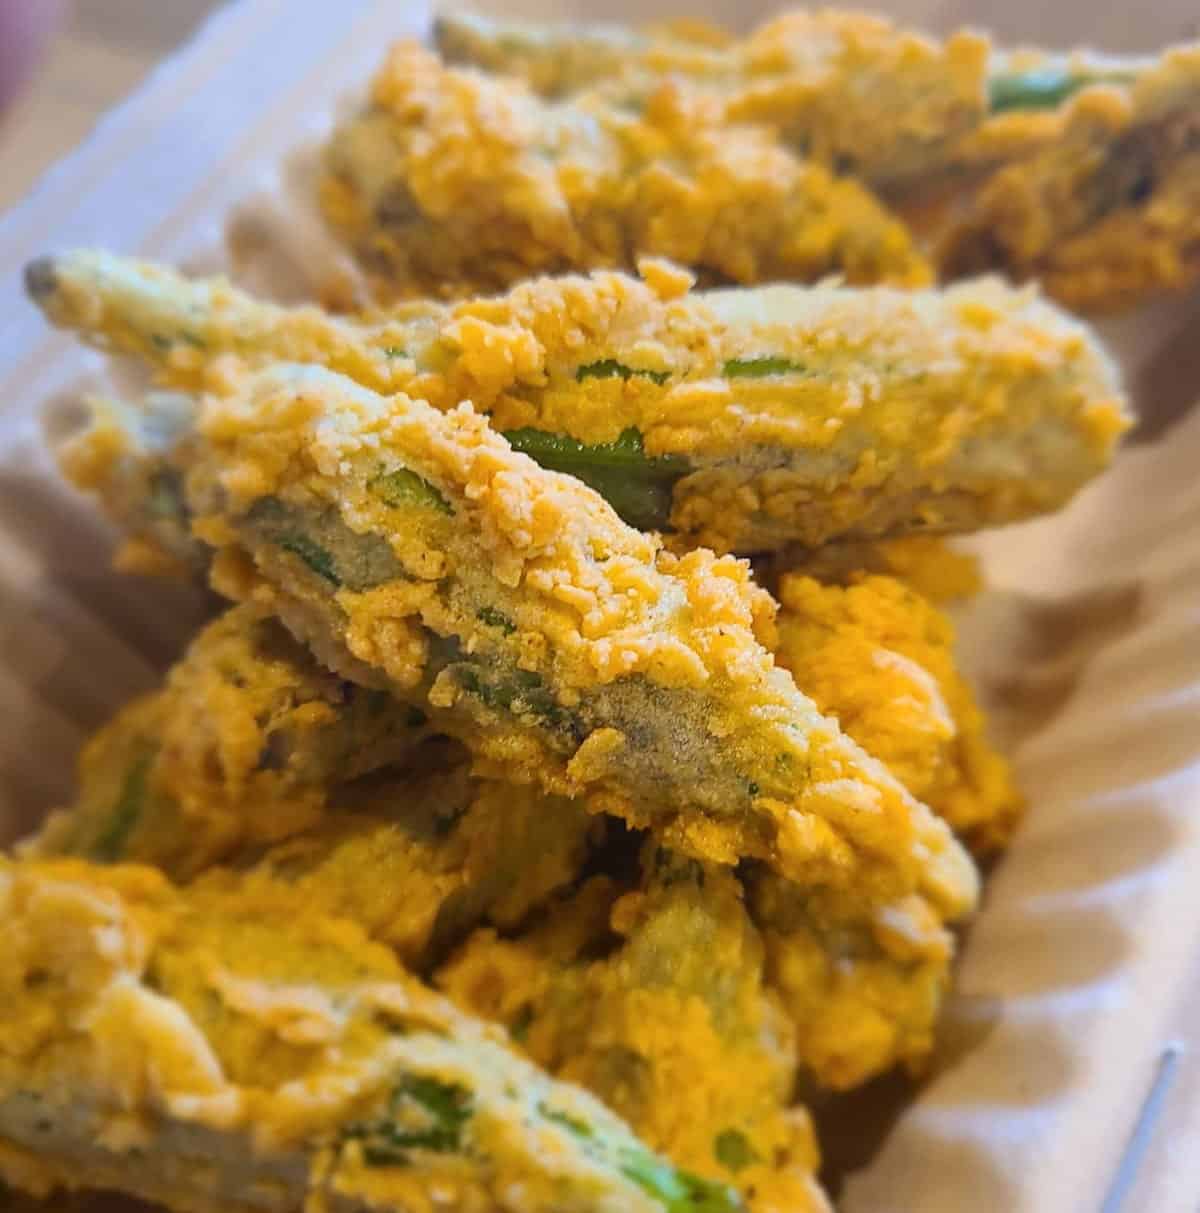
98 50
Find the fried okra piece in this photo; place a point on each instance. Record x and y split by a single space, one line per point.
419 554
853 89
845 88
419 860
1108 210
252 754
743 420
451 181
929 564
879 657
423 860
642 992
557 61
863 988
125 465
228 1045
242 747
640 989
1077 169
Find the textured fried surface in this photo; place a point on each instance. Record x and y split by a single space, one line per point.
453 181
240 748
879 657
639 993
743 419
863 990
848 88
1107 209
251 746
1078 170
560 645
253 1053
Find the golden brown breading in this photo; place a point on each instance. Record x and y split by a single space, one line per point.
251 753
1108 209
741 419
879 657
233 1047
864 990
455 182
1079 170
241 748
420 554
642 992
848 88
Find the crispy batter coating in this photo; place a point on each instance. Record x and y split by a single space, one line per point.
451 181
251 1053
419 857
252 745
419 553
863 990
1108 209
926 563
743 420
641 993
239 749
559 60
422 861
1079 170
848 88
880 658
125 465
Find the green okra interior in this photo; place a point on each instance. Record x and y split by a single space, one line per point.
1043 88
110 844
638 486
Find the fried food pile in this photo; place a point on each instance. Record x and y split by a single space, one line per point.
1078 170
581 781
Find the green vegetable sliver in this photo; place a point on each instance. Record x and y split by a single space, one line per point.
496 619
403 489
448 1107
312 553
1043 88
679 1191
639 487
110 845
733 1151
610 368
759 367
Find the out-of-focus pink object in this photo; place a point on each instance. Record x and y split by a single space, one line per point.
25 29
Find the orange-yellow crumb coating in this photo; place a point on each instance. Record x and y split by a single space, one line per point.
419 553
231 1046
451 181
239 749
641 993
847 88
742 420
1105 207
879 657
